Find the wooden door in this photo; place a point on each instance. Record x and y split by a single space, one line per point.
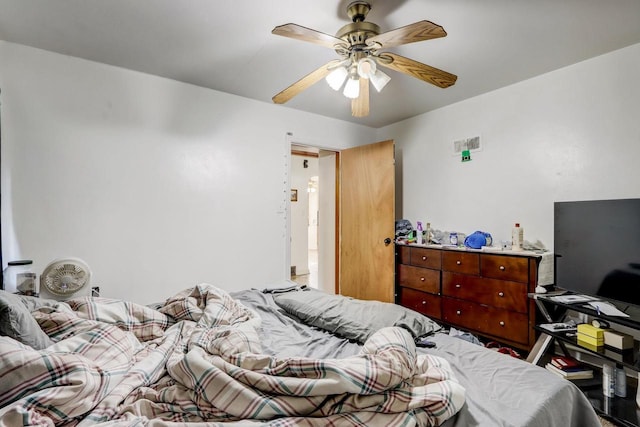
367 219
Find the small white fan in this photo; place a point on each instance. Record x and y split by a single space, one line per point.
65 278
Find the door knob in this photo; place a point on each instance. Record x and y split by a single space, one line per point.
387 241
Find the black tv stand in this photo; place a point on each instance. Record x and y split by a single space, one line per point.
621 410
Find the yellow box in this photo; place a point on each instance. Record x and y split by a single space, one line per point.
591 331
618 340
590 340
589 345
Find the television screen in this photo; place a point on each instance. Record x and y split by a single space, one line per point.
597 248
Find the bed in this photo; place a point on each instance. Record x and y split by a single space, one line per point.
281 356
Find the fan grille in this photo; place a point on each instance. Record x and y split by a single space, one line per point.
65 278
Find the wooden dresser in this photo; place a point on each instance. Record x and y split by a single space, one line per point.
481 292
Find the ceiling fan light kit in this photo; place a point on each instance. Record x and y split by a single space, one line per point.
359 45
352 88
336 78
367 69
379 80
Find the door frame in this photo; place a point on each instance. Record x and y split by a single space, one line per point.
290 141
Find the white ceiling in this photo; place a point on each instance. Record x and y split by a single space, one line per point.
228 45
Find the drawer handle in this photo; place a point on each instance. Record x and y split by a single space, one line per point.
458 285
458 312
424 303
422 279
501 323
502 268
500 294
459 262
424 258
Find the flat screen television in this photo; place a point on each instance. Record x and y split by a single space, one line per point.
597 248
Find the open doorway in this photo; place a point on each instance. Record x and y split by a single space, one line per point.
308 274
313 217
355 221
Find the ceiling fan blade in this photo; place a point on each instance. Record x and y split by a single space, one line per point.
305 82
417 69
416 32
360 105
299 32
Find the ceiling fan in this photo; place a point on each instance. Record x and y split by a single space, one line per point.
360 47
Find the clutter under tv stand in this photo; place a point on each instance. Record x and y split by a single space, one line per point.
622 410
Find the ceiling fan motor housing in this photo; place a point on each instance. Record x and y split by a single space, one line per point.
358 31
358 10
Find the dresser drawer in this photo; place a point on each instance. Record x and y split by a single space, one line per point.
514 268
497 293
403 254
428 258
461 262
422 279
422 302
485 319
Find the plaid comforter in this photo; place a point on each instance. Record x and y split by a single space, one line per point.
198 359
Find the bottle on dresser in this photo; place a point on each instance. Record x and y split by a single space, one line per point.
517 237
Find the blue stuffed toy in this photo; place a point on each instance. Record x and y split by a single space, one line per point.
478 239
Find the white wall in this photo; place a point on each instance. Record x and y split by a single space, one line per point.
159 185
573 134
156 184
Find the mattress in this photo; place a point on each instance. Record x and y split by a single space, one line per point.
261 358
500 390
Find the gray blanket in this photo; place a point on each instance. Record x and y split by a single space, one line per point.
500 390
